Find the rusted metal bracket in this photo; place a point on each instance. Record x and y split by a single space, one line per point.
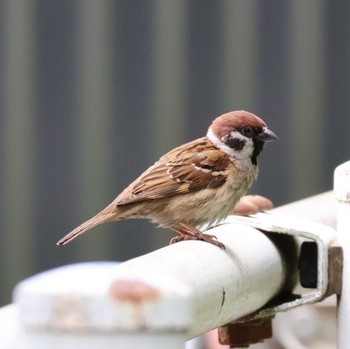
241 335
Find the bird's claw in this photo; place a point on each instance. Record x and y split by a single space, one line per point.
201 237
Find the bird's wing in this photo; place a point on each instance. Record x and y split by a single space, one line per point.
190 167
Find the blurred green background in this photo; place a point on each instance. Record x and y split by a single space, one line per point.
93 92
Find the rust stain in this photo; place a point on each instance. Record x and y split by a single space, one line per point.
133 291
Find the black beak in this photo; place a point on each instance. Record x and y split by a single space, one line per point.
266 135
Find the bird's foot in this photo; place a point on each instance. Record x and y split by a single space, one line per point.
196 234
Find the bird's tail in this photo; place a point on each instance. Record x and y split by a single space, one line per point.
101 217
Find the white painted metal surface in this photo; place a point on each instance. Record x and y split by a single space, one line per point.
342 192
155 301
301 229
170 295
321 208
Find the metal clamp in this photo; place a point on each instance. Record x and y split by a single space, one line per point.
320 259
318 267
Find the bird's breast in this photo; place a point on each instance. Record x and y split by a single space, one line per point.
207 206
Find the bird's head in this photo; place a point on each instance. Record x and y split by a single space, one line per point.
240 134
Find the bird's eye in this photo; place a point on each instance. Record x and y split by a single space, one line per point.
247 131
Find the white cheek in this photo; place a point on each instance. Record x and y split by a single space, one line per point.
243 154
248 148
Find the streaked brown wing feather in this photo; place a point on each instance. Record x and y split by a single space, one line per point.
190 167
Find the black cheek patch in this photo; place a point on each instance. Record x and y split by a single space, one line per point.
235 143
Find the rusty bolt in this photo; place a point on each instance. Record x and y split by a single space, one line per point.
241 335
335 256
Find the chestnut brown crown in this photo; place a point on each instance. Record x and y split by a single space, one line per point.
235 120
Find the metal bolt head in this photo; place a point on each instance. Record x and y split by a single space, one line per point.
241 335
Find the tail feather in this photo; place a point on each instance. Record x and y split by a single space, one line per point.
96 220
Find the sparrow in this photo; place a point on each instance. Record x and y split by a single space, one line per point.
196 184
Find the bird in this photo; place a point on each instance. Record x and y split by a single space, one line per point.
194 185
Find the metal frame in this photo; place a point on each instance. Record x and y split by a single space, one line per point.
180 291
324 237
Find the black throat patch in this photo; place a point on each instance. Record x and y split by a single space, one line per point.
258 147
235 143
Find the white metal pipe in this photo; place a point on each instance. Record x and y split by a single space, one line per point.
342 192
224 284
191 279
321 208
176 293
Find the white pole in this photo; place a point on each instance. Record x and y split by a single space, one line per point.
321 208
158 300
342 192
